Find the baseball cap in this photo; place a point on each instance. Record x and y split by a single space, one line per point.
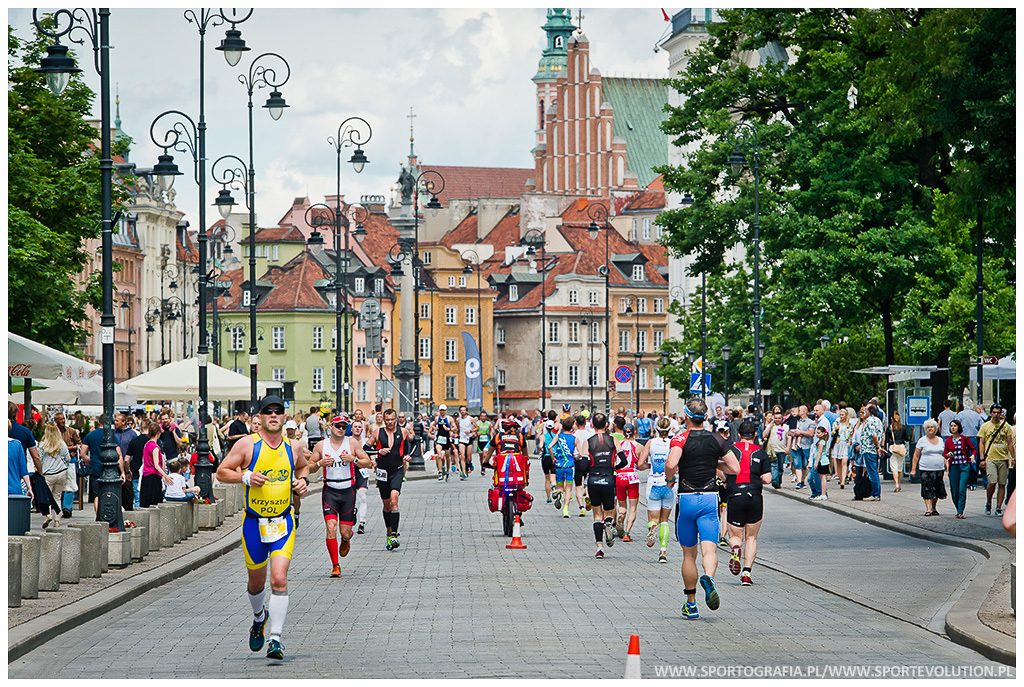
271 400
442 407
291 425
342 418
585 413
549 424
566 407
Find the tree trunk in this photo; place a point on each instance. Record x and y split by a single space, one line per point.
890 354
940 380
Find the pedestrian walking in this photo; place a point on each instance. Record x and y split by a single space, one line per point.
929 458
842 445
896 439
56 459
998 454
971 420
960 455
820 464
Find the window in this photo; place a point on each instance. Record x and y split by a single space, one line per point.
638 272
499 336
334 338
659 306
451 282
277 374
659 339
470 314
274 253
426 259
647 229
632 229
553 332
425 388
592 378
559 41
623 341
360 285
449 315
552 375
360 355
501 376
513 292
378 287
657 232
424 348
659 381
625 303
574 297
277 338
462 281
595 332
361 390
449 387
424 311
237 338
574 375
643 378
450 351
334 379
574 331
641 305
318 338
592 297
318 379
641 340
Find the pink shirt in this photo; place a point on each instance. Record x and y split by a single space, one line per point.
148 465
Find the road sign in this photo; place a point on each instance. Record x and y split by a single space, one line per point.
623 374
695 383
919 409
369 312
989 360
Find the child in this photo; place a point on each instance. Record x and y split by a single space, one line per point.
178 489
820 463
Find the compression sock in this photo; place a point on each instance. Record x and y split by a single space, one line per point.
691 594
278 611
256 601
387 521
394 522
332 549
598 531
663 533
361 505
746 569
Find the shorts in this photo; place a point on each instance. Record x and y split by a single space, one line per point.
482 443
547 465
997 471
465 441
94 487
313 441
339 504
564 475
824 469
698 518
626 490
392 483
442 444
801 456
660 497
745 509
258 553
601 491
582 470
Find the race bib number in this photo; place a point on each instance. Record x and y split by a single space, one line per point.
442 441
365 472
633 478
381 474
272 529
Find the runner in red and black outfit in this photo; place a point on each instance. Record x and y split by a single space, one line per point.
510 462
600 451
745 508
390 472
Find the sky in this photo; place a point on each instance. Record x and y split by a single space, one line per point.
465 72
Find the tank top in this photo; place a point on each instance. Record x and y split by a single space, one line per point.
601 448
148 464
274 497
339 475
392 460
628 473
444 430
657 454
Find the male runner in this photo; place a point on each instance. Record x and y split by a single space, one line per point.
467 427
582 465
563 451
600 453
723 429
339 455
390 471
696 455
264 463
746 502
441 429
547 463
299 449
483 440
359 432
660 492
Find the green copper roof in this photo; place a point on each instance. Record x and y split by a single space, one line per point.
638 106
553 61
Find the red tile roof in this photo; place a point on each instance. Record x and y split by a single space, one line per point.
284 234
380 237
590 254
293 287
470 183
464 232
505 233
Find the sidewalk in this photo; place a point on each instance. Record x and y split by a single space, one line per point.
982 618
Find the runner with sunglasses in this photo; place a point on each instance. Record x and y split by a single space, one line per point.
263 461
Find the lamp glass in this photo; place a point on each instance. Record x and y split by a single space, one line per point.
57 82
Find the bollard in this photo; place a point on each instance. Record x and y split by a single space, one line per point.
119 549
190 516
154 528
179 520
13 573
49 561
142 519
104 547
70 554
167 526
221 511
221 495
29 565
139 539
206 516
93 534
186 520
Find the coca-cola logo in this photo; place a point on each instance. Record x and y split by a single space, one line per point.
21 370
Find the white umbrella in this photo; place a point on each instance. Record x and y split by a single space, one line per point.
88 392
179 381
1005 369
27 358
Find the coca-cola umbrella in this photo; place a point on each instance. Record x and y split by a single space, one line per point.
87 392
30 359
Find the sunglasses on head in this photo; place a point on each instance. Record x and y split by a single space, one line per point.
272 410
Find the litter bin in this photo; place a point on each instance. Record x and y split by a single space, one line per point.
19 511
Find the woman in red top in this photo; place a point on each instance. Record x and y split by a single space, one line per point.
961 456
627 483
153 472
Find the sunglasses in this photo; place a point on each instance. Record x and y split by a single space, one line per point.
339 425
272 410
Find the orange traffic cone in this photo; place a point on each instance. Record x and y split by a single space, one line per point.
517 540
633 658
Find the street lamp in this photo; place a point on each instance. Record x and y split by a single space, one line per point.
598 213
57 68
746 141
126 304
725 359
532 238
591 378
468 269
825 341
637 355
222 238
429 182
666 358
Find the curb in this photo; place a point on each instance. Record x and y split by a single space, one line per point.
962 623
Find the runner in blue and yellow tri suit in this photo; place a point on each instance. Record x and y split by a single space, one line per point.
265 464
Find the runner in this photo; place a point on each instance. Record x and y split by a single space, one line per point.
314 427
264 463
441 431
725 431
547 464
746 502
600 453
660 492
340 456
362 478
644 424
483 440
582 465
300 450
627 483
696 455
390 471
563 451
467 427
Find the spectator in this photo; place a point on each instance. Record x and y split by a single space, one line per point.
153 472
56 459
944 418
776 437
998 454
896 439
960 453
871 448
238 428
929 457
73 440
842 446
803 439
170 437
92 444
134 457
18 482
178 489
24 435
971 420
123 435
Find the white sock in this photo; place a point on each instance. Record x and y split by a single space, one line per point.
361 505
278 611
256 600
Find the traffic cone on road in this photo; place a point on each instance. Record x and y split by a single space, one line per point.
517 539
633 658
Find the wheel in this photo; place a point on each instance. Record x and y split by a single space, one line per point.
507 517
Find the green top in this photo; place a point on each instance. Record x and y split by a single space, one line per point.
484 428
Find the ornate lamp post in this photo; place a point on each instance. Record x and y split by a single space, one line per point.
533 238
429 183
725 360
666 359
598 213
126 305
223 240
469 269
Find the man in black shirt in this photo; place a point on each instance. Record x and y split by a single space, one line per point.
600 455
237 429
745 500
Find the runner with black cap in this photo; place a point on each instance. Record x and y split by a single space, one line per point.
273 477
745 499
696 455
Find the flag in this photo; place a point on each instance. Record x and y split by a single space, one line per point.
665 14
474 383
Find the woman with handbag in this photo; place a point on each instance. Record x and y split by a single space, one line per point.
896 439
56 459
929 457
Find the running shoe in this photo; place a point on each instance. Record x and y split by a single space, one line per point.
389 544
296 518
440 476
626 537
395 543
652 535
583 513
734 561
609 534
256 632
565 514
558 500
586 499
446 475
600 554
454 469
362 528
336 571
275 650
343 547
662 557
999 511
723 542
710 592
462 477
619 532
690 611
988 509
549 501
745 580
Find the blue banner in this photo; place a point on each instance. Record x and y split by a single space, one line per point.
474 382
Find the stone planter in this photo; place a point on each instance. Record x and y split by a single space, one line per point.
142 520
221 506
13 573
119 549
167 525
140 540
206 516
49 561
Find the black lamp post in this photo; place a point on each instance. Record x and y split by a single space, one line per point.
637 355
469 269
746 140
150 318
222 238
531 239
590 362
725 360
57 67
126 305
665 360
598 213
825 341
430 183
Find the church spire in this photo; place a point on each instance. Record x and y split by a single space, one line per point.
554 58
117 104
413 162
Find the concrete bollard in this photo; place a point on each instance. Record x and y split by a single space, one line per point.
93 534
139 539
119 549
189 516
13 573
154 528
142 519
221 511
179 521
167 525
70 554
49 561
206 516
104 548
30 546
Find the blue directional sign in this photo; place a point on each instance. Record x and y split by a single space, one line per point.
695 383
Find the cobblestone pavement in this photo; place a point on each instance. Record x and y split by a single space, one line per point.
453 602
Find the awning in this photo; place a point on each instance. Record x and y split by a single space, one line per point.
27 358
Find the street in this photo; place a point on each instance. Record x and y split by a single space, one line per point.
453 602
